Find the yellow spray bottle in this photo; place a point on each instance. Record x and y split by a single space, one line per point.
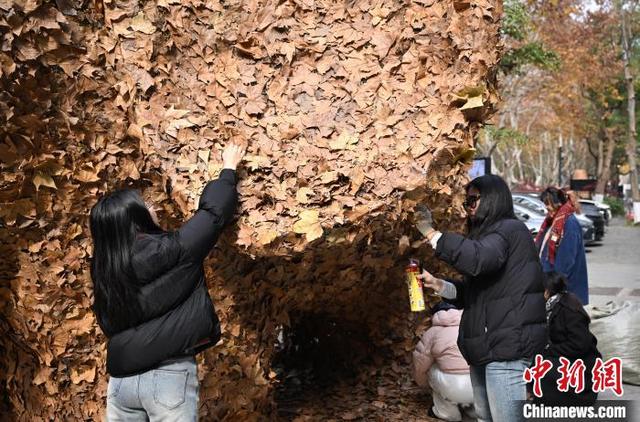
416 295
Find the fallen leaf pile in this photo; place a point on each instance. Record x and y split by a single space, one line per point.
353 112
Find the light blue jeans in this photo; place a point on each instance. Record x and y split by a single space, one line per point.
166 394
496 387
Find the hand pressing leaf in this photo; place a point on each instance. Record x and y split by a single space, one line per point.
308 225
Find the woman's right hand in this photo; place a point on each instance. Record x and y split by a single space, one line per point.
431 282
232 155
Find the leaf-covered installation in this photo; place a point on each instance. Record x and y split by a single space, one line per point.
353 111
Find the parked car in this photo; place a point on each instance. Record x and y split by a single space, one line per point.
530 218
596 216
530 201
605 210
535 205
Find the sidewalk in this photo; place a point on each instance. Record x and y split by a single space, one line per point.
614 265
614 275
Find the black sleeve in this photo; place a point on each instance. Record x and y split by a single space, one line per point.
473 257
216 208
576 332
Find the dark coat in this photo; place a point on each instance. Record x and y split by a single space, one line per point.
570 259
179 316
569 337
502 293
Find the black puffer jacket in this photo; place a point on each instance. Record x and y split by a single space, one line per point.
569 337
502 293
178 312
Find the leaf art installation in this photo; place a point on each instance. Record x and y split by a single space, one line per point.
353 111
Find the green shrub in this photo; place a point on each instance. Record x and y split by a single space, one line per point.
616 204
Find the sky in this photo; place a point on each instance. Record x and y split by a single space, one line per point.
590 5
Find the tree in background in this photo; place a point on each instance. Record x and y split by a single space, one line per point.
560 82
525 59
628 19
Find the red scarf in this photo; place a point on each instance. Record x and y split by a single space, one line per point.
557 229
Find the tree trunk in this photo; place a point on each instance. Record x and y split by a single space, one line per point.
600 157
604 173
631 107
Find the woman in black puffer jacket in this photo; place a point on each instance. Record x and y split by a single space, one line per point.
503 320
151 298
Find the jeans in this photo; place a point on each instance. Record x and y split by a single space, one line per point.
496 387
452 395
166 394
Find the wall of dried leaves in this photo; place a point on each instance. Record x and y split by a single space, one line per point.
354 111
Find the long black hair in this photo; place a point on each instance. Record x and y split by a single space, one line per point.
496 204
116 219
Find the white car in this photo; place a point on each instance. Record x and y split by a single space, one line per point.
530 218
530 201
535 204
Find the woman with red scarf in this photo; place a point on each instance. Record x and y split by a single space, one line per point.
560 244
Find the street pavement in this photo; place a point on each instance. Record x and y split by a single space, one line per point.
614 275
614 265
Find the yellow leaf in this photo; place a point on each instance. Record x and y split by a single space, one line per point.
135 131
471 91
329 177
343 141
267 237
308 225
465 155
129 169
303 195
473 102
176 125
35 248
74 231
288 50
85 374
255 162
140 23
41 179
203 154
42 375
87 175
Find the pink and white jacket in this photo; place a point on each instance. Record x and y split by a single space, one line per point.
439 345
